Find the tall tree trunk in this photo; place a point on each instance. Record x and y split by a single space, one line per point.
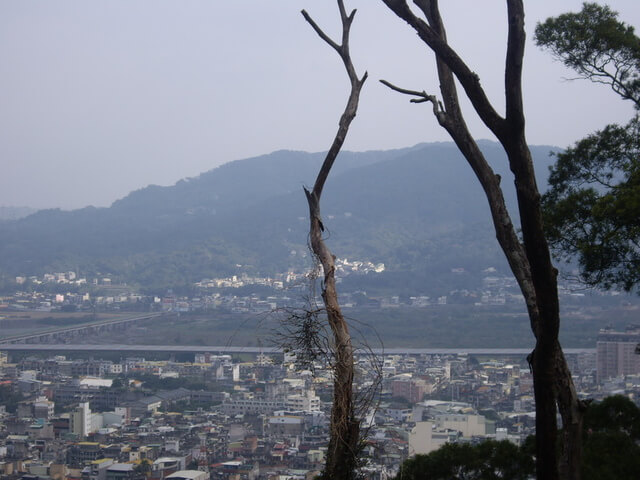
344 427
530 260
342 454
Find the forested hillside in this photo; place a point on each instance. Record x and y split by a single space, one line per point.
418 210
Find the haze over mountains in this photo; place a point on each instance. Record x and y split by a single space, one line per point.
419 210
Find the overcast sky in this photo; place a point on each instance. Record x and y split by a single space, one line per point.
102 97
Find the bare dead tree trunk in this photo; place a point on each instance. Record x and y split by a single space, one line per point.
345 427
530 260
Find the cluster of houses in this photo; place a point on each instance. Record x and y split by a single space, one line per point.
344 267
43 293
285 290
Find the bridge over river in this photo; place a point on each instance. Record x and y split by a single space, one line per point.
62 335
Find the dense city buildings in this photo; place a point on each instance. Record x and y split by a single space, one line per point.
219 416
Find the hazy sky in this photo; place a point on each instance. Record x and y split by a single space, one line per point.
101 97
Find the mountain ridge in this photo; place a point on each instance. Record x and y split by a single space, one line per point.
377 205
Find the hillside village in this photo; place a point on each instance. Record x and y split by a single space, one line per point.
67 291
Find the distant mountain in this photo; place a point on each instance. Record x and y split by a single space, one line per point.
14 213
419 210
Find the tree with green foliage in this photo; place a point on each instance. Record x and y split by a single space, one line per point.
610 456
614 414
597 46
593 203
486 461
611 435
9 398
143 469
119 384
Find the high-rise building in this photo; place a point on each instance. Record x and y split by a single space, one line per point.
616 353
83 421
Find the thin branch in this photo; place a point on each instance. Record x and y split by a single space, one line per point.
467 78
320 33
422 97
352 104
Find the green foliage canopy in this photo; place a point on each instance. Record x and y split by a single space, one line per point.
612 430
593 205
596 45
9 398
488 460
615 414
593 202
